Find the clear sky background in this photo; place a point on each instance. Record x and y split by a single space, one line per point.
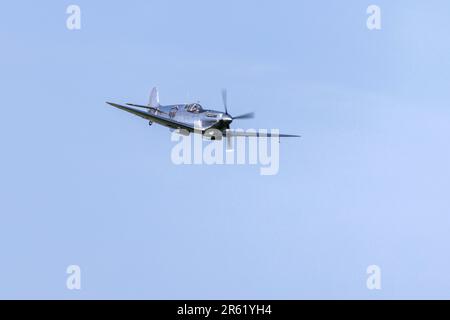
368 182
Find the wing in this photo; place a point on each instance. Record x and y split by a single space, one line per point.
146 107
154 118
233 133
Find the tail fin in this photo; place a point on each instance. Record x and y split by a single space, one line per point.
154 98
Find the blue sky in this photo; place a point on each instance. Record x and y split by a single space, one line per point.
85 184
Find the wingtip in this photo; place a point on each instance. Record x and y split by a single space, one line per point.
112 104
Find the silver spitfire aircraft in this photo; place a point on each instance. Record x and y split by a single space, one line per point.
191 117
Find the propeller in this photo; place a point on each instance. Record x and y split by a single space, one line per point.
249 115
224 99
227 118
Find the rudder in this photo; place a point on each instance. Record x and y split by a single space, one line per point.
154 98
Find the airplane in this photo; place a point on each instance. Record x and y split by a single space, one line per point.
191 117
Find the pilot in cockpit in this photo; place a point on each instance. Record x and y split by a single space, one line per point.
195 108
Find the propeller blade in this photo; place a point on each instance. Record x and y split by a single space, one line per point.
224 99
249 115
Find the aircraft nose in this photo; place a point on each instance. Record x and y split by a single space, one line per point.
226 117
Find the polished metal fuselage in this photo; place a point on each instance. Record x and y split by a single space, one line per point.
200 119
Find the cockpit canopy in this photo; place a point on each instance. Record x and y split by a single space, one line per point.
194 107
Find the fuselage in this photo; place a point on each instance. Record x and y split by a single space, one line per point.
194 115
